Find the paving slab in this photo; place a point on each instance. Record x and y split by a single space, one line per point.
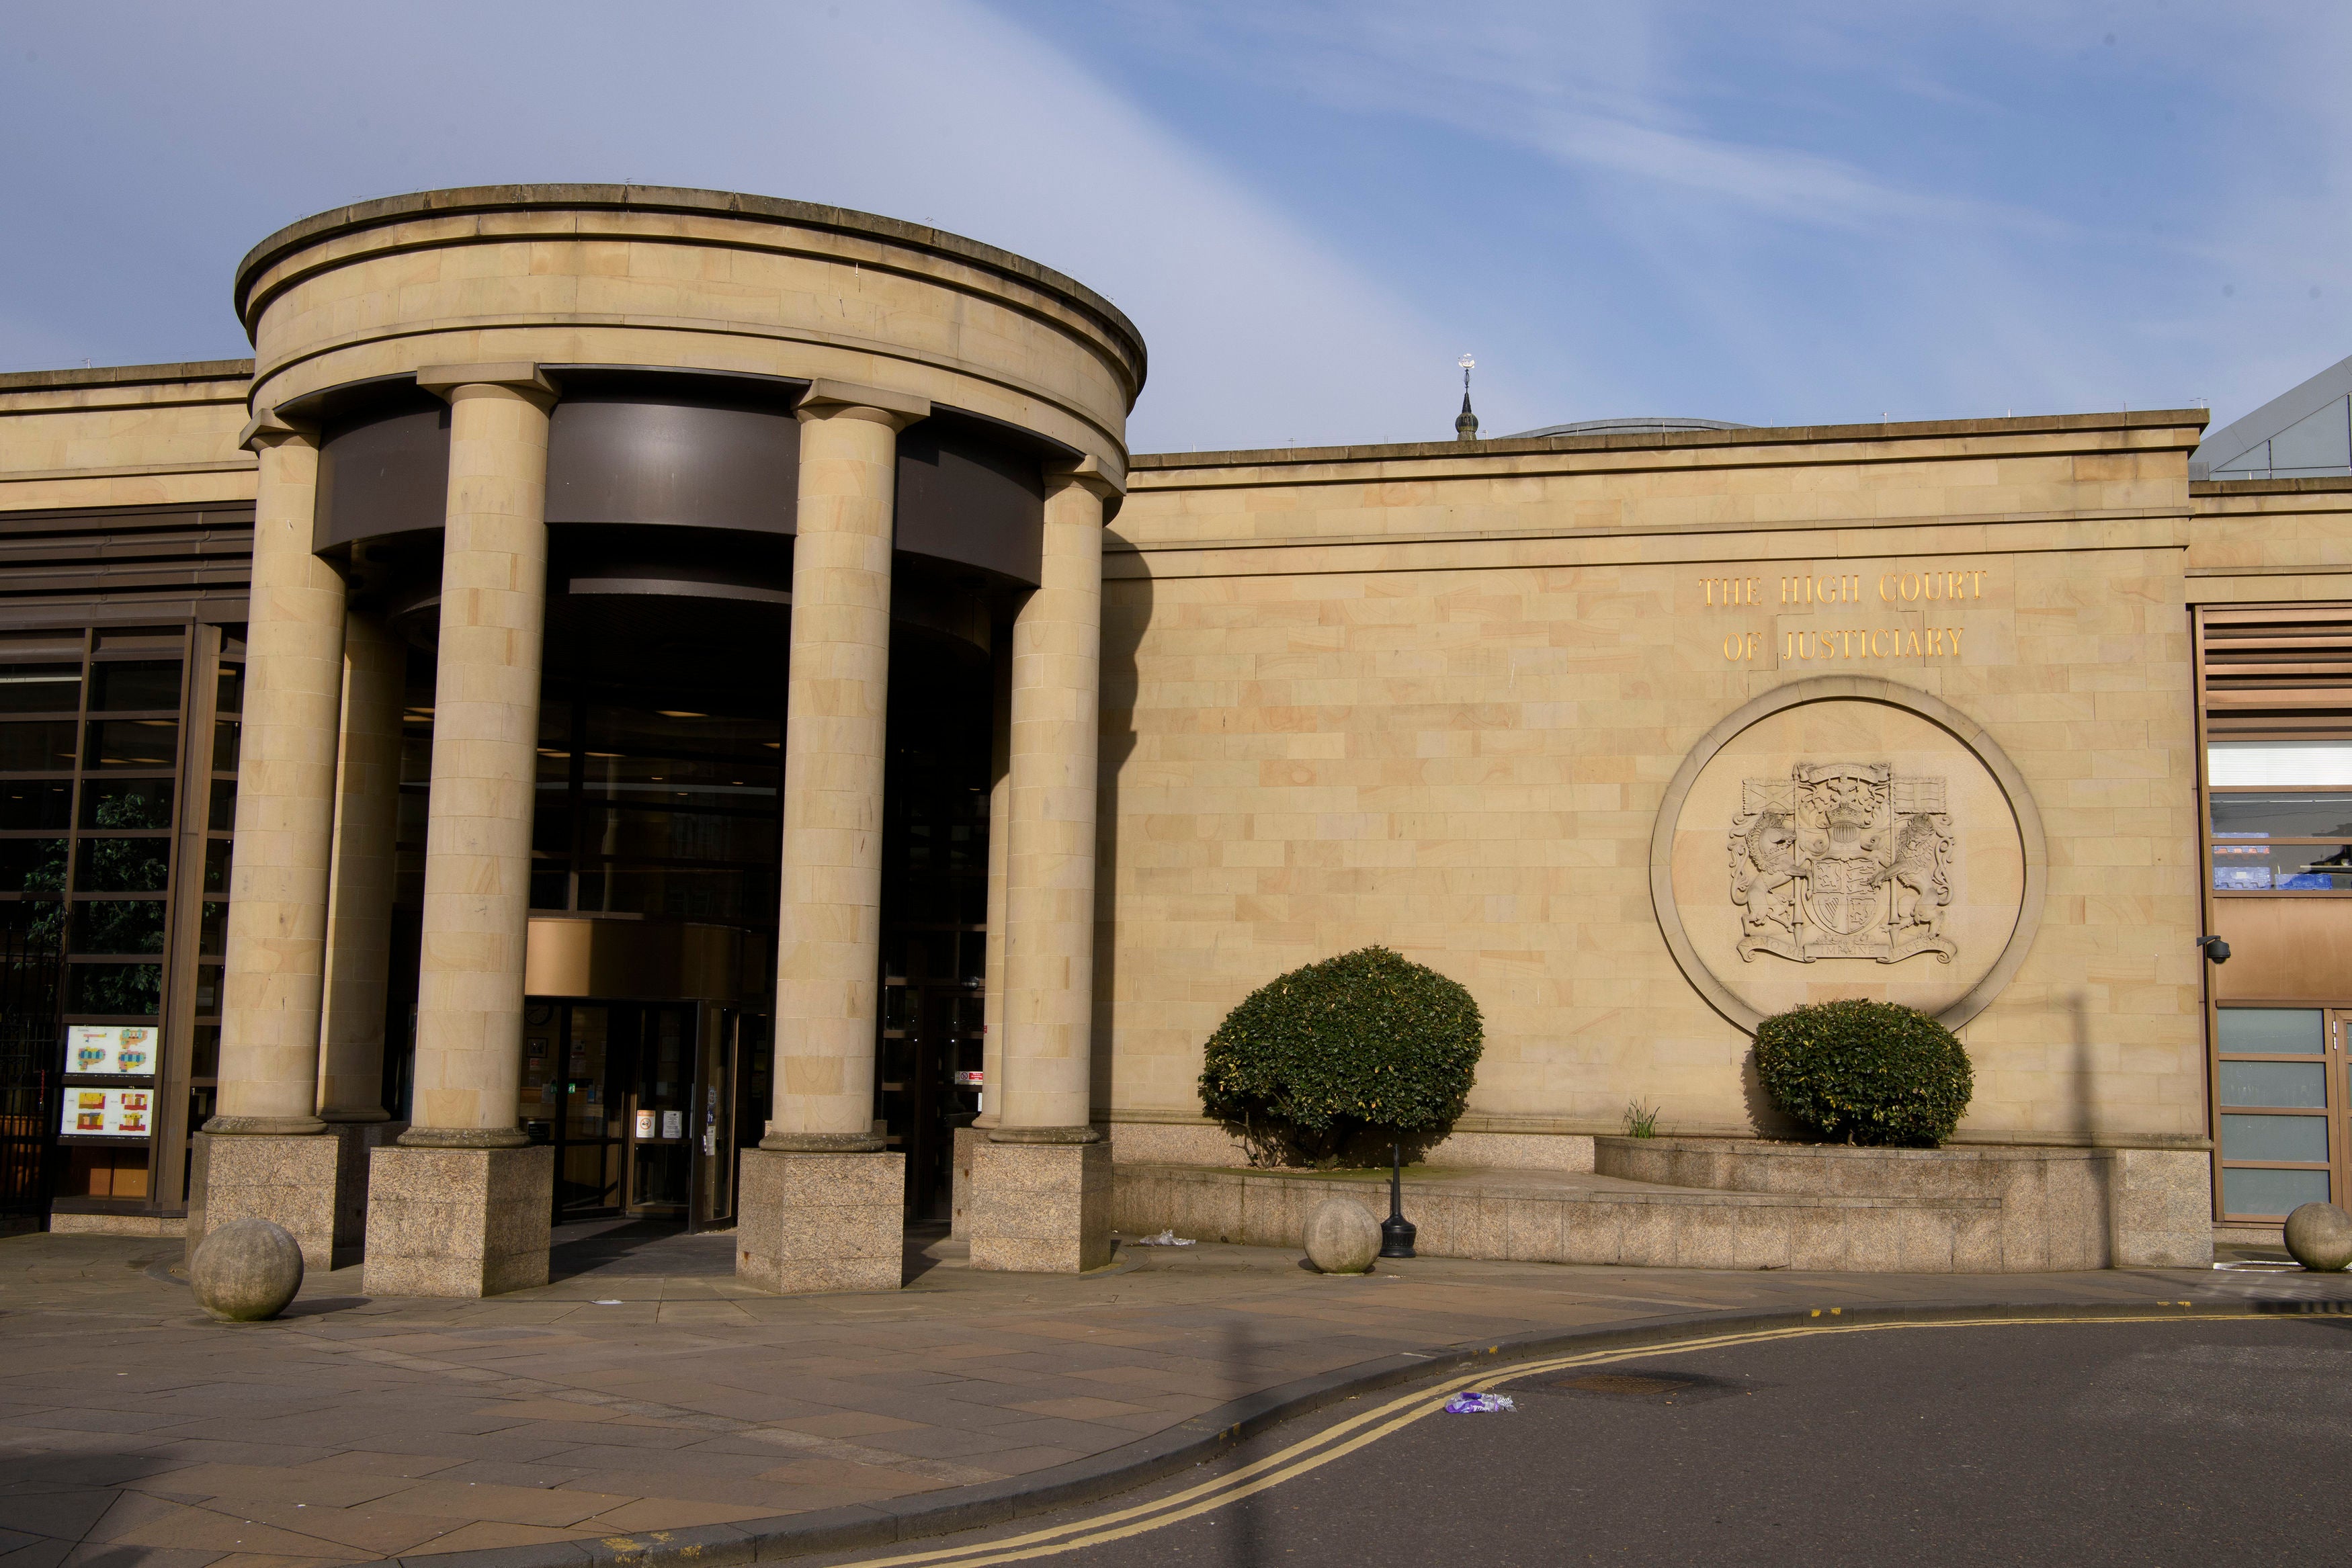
136 1431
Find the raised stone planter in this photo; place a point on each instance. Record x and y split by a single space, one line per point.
2058 1208
1539 1217
1724 1203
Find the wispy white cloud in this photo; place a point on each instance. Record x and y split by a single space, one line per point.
1935 208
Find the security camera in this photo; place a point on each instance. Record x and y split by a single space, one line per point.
2216 950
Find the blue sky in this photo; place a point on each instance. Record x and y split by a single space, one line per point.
1805 212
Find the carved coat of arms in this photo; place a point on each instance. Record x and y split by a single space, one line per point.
1842 860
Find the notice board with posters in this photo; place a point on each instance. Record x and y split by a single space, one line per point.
98 1102
99 1112
109 1050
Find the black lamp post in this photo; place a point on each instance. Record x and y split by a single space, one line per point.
1396 1230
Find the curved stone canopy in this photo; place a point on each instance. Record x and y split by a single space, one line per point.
606 277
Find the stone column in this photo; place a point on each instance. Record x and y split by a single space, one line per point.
1041 1183
460 1205
358 915
267 1158
821 1204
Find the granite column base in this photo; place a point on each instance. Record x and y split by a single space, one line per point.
287 1180
806 1223
1040 1208
457 1222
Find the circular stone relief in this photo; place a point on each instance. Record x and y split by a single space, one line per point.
1842 837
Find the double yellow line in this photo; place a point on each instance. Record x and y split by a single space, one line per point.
1367 1427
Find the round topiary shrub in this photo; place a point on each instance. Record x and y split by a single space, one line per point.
1329 1064
1865 1072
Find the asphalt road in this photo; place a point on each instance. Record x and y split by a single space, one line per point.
2185 1442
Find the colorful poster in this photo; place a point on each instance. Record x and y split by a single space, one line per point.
107 1113
97 1050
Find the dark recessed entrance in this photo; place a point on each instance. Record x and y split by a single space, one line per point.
645 1105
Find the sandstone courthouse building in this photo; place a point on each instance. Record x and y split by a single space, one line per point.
653 702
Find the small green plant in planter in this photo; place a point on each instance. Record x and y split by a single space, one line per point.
1641 1120
1331 1063
1865 1072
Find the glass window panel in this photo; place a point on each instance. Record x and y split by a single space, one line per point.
117 989
204 1053
38 924
2263 866
551 827
212 930
32 865
678 732
208 989
122 688
114 926
228 697
225 737
2283 815
2321 440
2286 764
133 743
2270 1192
127 803
415 756
2272 1031
221 817
2301 1138
673 891
36 803
124 865
550 889
40 688
2293 1084
638 833
37 748
217 862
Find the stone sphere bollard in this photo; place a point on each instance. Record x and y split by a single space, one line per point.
1342 1236
246 1270
2320 1237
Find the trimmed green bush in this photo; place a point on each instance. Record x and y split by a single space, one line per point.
1330 1063
1865 1072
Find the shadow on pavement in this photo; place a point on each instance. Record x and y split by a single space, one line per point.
638 1249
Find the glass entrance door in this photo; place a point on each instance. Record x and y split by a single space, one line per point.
638 1100
2282 1099
567 1101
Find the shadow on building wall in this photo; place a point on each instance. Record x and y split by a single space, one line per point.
1127 611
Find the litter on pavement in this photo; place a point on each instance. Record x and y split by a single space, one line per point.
1478 1404
1165 1239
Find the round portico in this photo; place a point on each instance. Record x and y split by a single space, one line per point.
528 450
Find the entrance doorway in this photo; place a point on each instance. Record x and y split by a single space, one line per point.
2282 1097
640 1102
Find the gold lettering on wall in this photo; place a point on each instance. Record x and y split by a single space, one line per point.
1912 591
1929 586
1812 590
1851 643
1731 592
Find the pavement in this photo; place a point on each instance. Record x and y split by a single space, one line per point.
644 1402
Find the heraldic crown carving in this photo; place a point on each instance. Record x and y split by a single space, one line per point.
1843 860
